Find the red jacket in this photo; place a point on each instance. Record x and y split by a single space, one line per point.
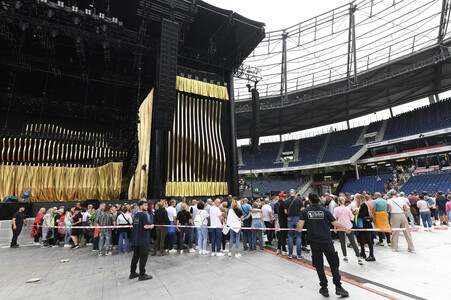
37 221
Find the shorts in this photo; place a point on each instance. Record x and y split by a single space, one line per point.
441 212
75 232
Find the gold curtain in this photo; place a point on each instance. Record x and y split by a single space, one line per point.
139 183
61 183
182 189
202 88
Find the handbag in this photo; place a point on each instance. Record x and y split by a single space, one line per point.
171 229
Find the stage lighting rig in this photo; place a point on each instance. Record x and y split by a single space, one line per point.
249 73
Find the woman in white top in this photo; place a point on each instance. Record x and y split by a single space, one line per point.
203 216
235 217
396 207
124 233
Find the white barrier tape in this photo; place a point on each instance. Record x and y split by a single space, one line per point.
256 228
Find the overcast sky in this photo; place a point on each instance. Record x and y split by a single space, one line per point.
279 14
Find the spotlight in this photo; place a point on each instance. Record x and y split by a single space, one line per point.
60 3
88 11
17 4
101 15
74 9
114 20
43 1
50 13
24 26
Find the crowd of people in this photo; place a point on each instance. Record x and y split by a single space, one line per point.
176 226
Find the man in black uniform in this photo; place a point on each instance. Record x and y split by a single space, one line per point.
18 222
140 239
279 208
317 220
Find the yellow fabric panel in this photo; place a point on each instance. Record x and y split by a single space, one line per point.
202 88
139 182
189 189
61 183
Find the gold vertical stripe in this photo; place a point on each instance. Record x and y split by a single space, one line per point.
209 141
185 139
196 132
215 135
203 135
177 171
224 162
199 132
190 140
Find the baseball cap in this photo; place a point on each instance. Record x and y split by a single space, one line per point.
282 195
292 191
402 193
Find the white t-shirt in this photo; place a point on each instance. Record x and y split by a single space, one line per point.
214 216
266 209
203 217
85 217
123 218
171 213
397 204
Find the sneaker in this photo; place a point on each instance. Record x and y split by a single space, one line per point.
133 275
285 253
195 247
229 254
360 261
76 247
389 244
201 252
173 251
100 254
108 253
380 244
191 250
67 245
395 250
89 244
36 244
290 256
213 253
238 255
324 292
144 277
299 257
220 254
340 291
205 252
94 250
345 258
370 258
55 246
278 251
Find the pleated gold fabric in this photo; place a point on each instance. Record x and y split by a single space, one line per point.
61 183
202 88
139 183
186 188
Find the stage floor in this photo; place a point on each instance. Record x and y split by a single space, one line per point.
402 275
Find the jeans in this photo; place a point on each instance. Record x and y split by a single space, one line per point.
269 233
236 236
140 253
409 216
202 238
67 236
194 236
123 239
184 232
216 240
292 223
426 217
254 239
56 236
318 262
104 238
247 234
16 233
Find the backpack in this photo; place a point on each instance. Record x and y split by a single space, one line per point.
198 220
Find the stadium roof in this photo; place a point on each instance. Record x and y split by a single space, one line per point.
335 67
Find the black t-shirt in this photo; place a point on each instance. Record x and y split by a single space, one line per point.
441 202
295 209
19 218
364 212
317 220
183 216
280 207
238 212
56 218
77 218
140 236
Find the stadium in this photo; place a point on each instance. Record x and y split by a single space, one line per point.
181 102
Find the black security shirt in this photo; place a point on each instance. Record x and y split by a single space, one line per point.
295 209
317 220
19 219
140 236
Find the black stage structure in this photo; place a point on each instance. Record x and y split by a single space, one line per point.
73 75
